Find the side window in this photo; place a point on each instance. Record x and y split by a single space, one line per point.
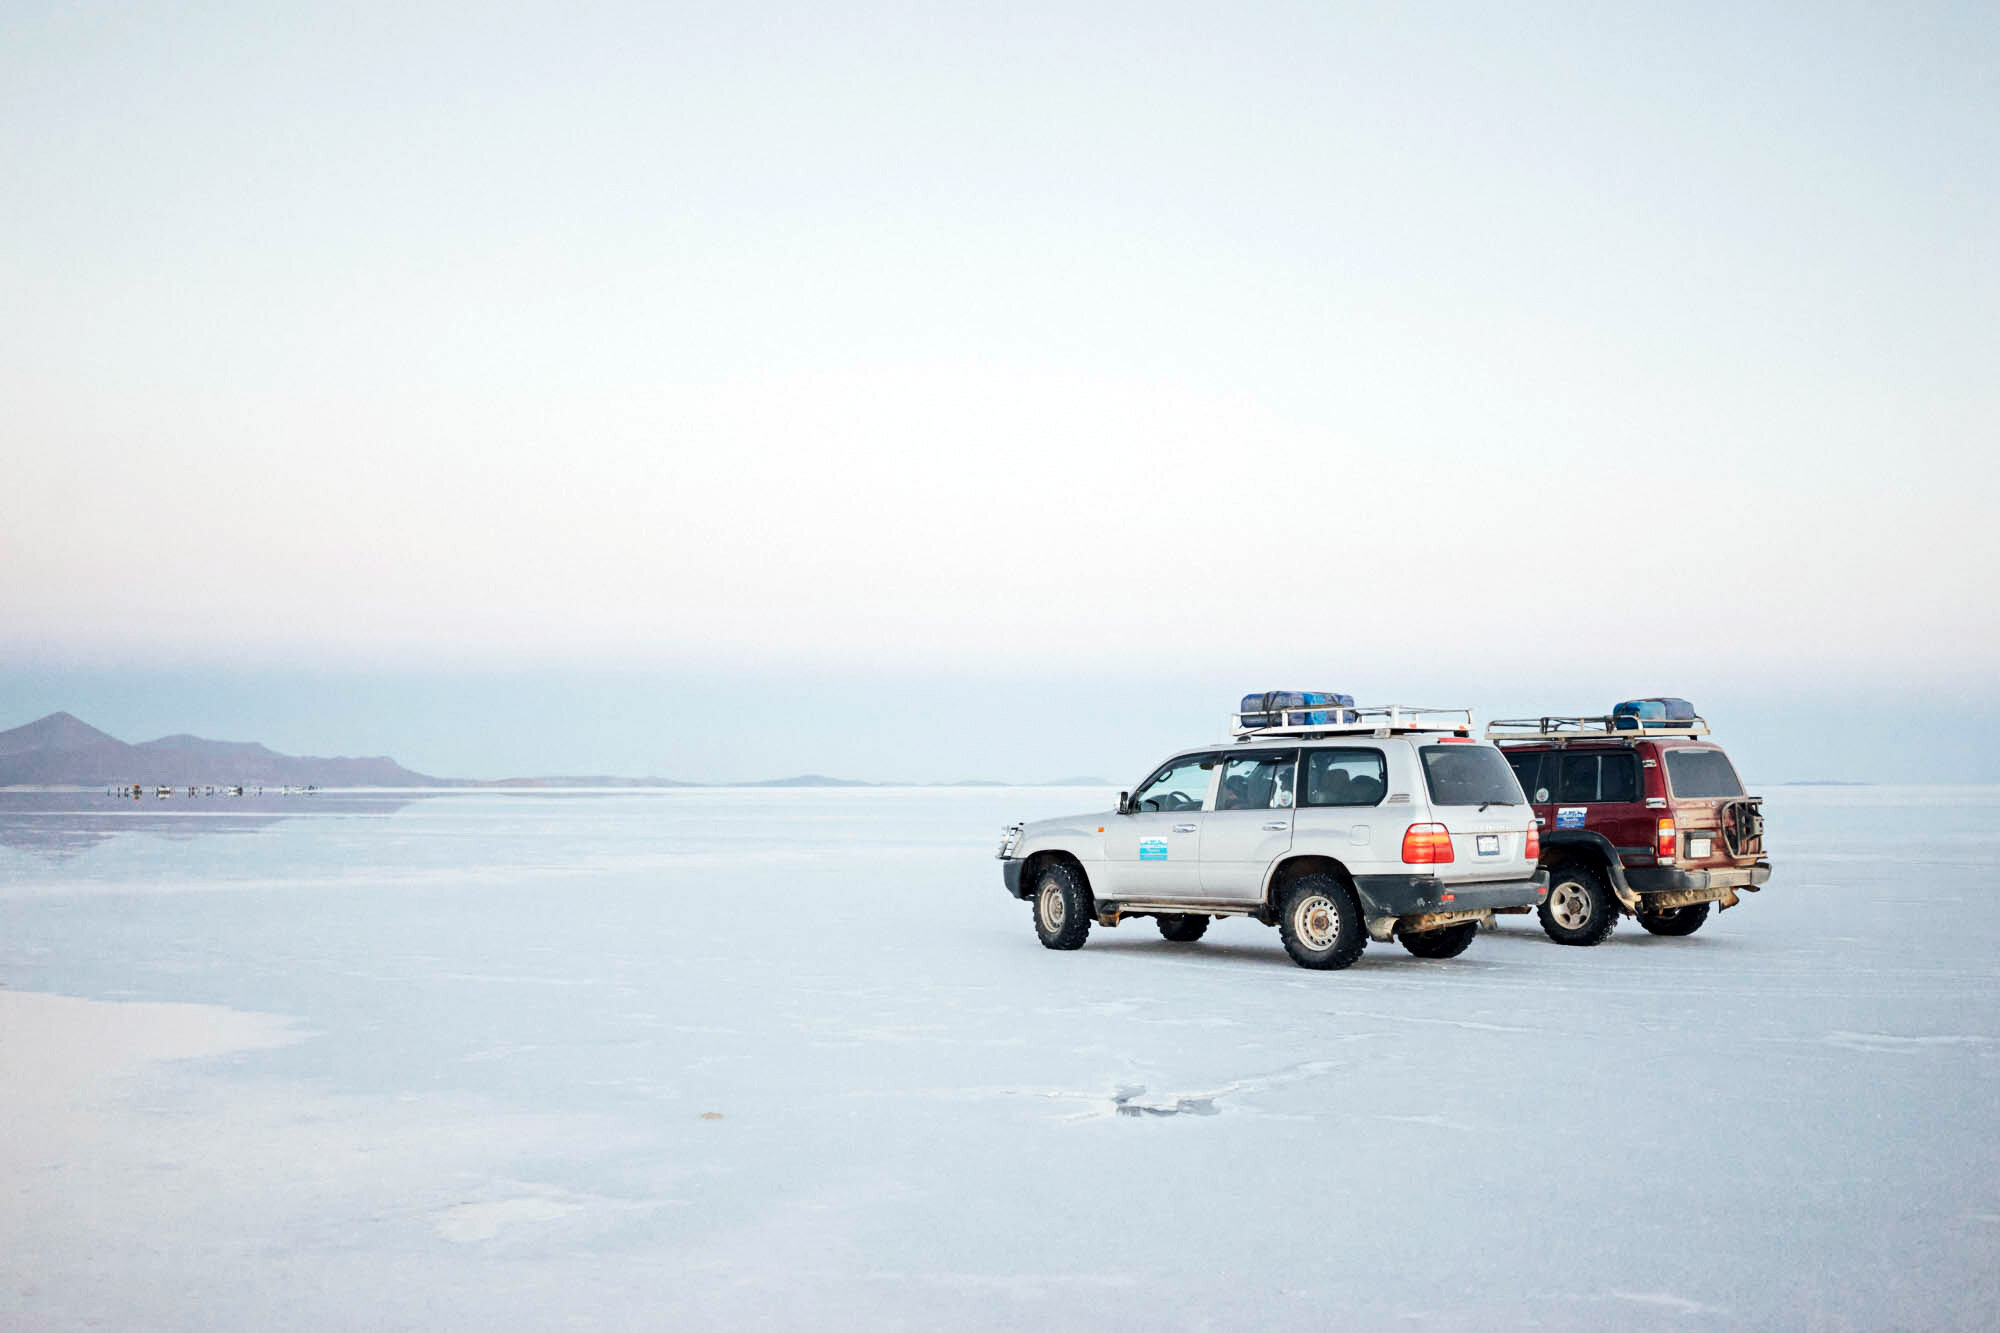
1345 777
1257 782
1181 785
1576 778
1618 777
1525 767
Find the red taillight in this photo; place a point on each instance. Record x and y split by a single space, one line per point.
1427 845
1534 843
1667 840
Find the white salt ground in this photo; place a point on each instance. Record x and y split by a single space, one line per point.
715 1059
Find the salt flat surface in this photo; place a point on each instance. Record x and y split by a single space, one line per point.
709 1058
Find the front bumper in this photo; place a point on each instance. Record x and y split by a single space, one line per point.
1010 875
1422 895
1669 879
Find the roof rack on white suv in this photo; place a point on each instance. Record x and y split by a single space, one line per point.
1388 720
1557 730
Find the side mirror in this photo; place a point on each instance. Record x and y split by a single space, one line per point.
1124 802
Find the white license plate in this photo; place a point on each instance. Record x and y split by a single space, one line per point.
1700 846
1489 844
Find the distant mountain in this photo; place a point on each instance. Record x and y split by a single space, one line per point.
1053 782
594 781
810 780
61 750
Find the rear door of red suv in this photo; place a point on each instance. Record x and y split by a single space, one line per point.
1702 781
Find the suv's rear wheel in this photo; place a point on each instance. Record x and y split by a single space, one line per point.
1320 923
1675 920
1579 908
1062 907
1449 942
1183 929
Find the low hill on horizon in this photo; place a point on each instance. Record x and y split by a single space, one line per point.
63 750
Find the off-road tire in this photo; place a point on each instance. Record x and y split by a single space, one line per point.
1062 906
1183 929
1449 942
1675 920
1320 923
1579 908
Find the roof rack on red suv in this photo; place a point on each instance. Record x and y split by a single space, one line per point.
1640 815
1559 730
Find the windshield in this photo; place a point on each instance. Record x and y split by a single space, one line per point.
1698 773
1182 784
1469 775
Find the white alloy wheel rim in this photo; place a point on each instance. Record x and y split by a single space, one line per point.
1569 905
1317 921
1054 909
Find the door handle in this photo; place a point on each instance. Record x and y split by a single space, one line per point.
1183 828
1276 826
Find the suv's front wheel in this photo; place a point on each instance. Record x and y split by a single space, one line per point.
1062 907
1579 908
1320 923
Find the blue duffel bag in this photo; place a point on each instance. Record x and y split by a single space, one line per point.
1636 713
1297 708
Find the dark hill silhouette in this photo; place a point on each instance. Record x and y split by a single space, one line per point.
57 731
61 750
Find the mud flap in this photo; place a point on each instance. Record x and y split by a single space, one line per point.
1628 900
1416 925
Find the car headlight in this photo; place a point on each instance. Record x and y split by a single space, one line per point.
1010 839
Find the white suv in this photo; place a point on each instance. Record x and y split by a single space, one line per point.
1392 826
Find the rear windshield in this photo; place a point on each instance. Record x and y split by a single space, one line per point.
1702 773
1469 775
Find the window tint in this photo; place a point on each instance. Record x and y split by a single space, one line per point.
1584 776
1576 777
1618 777
1257 781
1345 777
1469 775
1181 785
1524 766
1702 773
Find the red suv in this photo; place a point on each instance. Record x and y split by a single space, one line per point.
1638 816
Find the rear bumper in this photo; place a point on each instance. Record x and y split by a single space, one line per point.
1422 895
1659 879
1010 875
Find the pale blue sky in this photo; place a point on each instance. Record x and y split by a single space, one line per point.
1537 355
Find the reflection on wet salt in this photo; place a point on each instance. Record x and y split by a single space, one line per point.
60 825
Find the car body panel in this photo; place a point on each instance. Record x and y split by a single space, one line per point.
1372 791
1626 831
